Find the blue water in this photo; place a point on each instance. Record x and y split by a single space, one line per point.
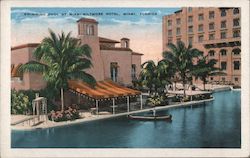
212 125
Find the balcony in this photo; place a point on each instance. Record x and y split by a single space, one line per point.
218 43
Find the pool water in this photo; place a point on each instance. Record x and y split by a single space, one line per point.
215 124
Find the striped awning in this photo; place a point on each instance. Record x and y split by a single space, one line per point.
103 89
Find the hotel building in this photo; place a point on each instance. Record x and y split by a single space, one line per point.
111 59
215 31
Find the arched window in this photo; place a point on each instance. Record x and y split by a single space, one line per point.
126 44
223 52
236 51
91 30
223 12
236 11
211 53
114 71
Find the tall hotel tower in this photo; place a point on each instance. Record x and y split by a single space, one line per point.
215 31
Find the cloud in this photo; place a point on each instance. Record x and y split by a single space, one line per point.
145 33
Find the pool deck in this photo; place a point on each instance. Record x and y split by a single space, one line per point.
88 117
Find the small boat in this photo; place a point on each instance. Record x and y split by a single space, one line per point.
151 117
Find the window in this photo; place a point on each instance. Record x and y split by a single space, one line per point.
114 71
200 38
169 22
223 65
223 24
169 32
211 53
211 37
90 30
200 17
178 40
178 31
236 65
211 78
126 44
236 33
190 19
223 52
170 40
236 79
200 28
223 79
133 71
190 29
211 26
211 15
236 51
236 22
190 9
223 35
223 12
178 21
236 11
190 40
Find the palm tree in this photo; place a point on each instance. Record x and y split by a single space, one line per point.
61 58
182 59
205 68
155 76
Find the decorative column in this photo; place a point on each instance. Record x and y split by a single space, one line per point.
128 103
96 104
113 106
141 100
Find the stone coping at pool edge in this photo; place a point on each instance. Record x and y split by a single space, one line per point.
101 117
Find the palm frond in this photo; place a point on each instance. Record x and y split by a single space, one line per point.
83 76
33 66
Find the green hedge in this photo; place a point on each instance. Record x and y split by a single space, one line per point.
19 103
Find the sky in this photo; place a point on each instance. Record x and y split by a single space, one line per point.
143 26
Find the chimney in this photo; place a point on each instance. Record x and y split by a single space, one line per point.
125 43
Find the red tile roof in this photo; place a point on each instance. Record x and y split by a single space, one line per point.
106 40
135 53
25 45
87 20
115 48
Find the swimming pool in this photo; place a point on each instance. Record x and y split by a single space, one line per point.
212 125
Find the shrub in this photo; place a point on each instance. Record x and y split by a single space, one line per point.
70 113
19 102
43 92
155 100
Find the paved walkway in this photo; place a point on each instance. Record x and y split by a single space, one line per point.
87 116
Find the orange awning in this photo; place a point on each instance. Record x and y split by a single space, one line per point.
14 70
103 89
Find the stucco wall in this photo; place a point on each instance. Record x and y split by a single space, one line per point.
30 80
124 60
136 59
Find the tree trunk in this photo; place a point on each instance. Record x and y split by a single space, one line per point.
204 86
62 100
184 90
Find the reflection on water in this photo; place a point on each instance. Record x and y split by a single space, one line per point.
214 124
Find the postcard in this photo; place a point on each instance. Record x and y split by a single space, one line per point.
124 79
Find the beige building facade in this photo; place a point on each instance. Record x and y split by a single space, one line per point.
215 31
111 59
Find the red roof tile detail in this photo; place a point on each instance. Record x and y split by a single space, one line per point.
135 53
25 45
87 20
106 40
